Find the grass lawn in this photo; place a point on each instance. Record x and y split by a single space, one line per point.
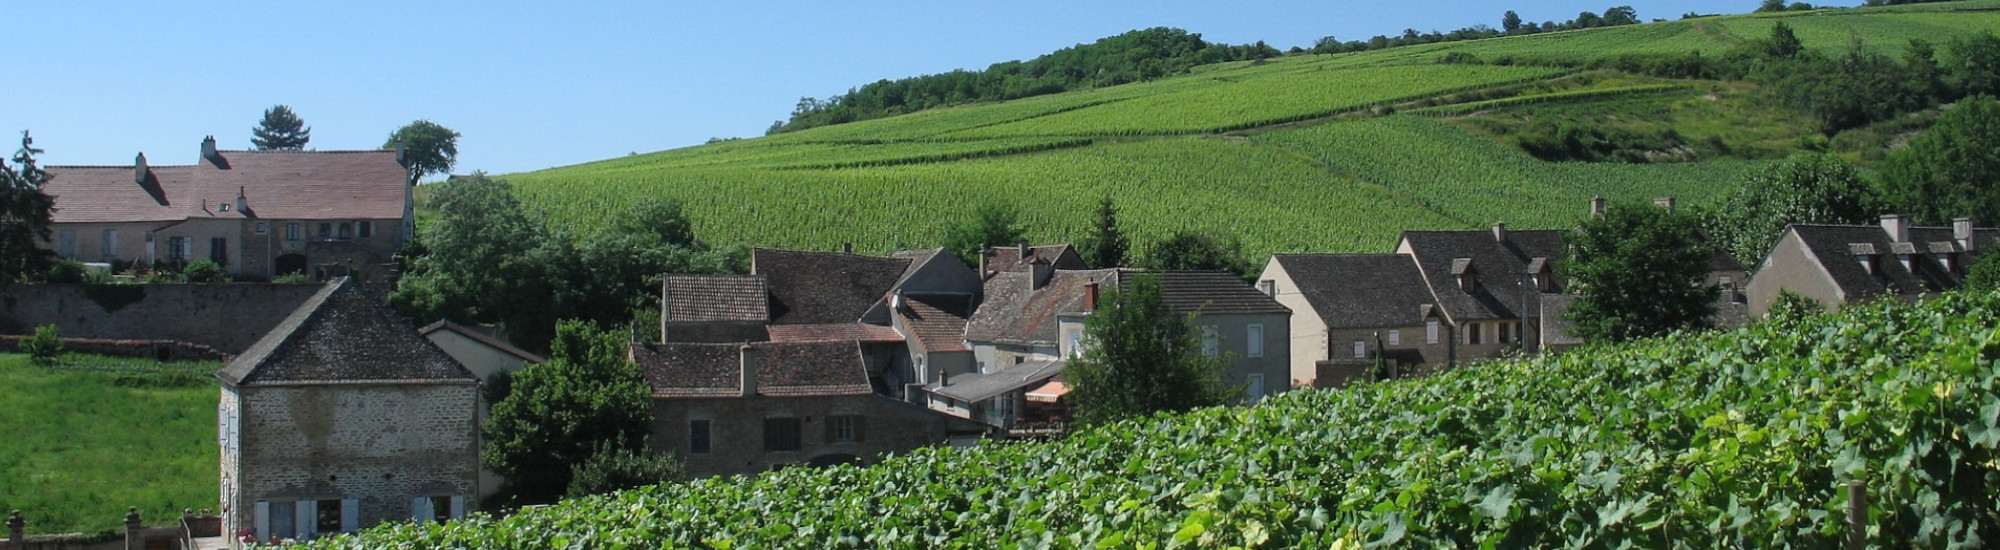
88 437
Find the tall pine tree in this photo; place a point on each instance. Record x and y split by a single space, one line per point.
1106 246
25 216
280 130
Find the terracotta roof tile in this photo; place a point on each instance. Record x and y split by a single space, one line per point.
811 368
824 287
937 321
834 332
307 185
696 298
690 370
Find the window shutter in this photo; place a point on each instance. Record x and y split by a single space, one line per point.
419 509
832 423
263 520
350 514
308 518
457 507
860 428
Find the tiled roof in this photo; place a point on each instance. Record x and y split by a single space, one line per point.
937 320
697 298
690 370
309 185
1003 259
981 387
1499 269
1207 292
1839 247
1012 313
482 337
811 368
343 334
834 332
824 287
1359 290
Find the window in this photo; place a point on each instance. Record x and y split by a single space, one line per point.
1020 359
1211 344
325 230
292 231
845 428
66 243
698 436
346 230
1431 331
329 516
108 244
1360 349
1504 333
364 229
1269 288
263 228
1255 389
1003 407
781 434
1395 338
1254 340
442 509
177 249
1076 343
436 508
218 250
1472 333
283 519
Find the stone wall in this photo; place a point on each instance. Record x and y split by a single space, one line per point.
162 350
736 430
227 317
381 444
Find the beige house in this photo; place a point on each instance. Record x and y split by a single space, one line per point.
342 417
486 356
258 213
1837 264
1350 308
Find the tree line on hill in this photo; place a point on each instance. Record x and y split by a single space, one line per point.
1511 24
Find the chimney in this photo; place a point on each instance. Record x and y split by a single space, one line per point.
1090 296
1597 206
983 251
140 171
847 248
208 149
1897 228
748 375
1039 273
1024 250
1499 232
242 202
666 312
402 156
1665 203
896 300
1961 231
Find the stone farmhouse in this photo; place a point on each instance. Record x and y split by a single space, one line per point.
260 214
342 417
1838 264
812 358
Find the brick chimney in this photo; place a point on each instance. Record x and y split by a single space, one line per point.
140 171
1897 228
208 150
1597 206
1665 203
1961 231
1090 296
748 374
1499 232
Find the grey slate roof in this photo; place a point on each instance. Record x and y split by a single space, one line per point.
1498 267
1003 259
1359 290
341 334
937 320
783 369
1207 292
699 298
1012 313
981 387
690 370
1839 247
824 287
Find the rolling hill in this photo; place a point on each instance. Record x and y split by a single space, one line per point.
1304 152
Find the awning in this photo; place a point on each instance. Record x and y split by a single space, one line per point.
1048 393
981 387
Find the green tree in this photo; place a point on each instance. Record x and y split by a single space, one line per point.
1142 357
1951 170
1621 15
1806 188
1510 22
991 225
612 468
1984 274
1783 43
45 346
477 258
1193 251
587 398
1975 64
280 130
1639 272
1769 6
428 148
1106 246
25 216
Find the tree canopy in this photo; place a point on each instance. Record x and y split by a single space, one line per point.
429 148
1142 357
991 225
1639 271
1808 188
1106 246
1951 170
1196 251
586 400
26 213
280 130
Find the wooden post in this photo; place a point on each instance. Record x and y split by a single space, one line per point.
17 531
132 537
1857 515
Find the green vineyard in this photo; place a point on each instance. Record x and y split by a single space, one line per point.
1750 438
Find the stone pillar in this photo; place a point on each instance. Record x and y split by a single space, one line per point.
133 540
17 530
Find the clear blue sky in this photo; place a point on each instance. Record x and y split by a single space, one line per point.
539 84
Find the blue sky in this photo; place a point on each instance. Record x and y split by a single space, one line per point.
539 84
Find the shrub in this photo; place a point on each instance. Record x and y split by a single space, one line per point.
45 346
67 271
204 271
615 469
292 279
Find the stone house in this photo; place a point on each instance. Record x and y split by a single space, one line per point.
486 356
1350 308
342 417
258 213
1837 264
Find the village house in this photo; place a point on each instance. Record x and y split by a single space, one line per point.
1839 264
838 345
259 214
342 417
1348 308
487 357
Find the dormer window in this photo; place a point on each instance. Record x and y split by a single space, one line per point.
1864 253
1468 278
1543 277
224 207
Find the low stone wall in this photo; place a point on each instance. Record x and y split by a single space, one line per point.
162 350
227 317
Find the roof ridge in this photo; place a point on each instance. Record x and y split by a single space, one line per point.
299 152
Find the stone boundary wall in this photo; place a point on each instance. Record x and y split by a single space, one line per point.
162 350
227 317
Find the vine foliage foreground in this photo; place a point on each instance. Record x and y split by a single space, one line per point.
1747 438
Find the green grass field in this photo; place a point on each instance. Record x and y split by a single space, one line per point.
1292 154
94 435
